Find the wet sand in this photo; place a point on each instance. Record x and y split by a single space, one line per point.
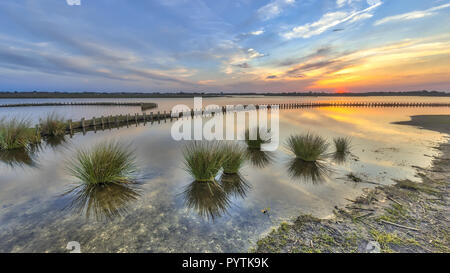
405 217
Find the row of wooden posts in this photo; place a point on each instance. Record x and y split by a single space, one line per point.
144 105
126 120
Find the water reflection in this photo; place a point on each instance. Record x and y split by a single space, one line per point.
103 201
21 157
310 172
260 158
340 157
235 184
209 199
54 141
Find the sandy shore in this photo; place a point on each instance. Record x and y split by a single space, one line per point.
405 217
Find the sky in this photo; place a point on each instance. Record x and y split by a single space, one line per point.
224 46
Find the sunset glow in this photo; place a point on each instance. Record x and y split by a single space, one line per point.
231 46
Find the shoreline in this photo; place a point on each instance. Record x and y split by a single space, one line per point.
404 217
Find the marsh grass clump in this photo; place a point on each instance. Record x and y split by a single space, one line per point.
105 163
203 160
254 139
308 147
53 125
234 158
342 144
17 134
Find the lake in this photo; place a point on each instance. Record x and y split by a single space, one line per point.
156 215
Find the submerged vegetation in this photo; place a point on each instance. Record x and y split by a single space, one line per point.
234 158
105 163
53 125
308 147
203 160
17 134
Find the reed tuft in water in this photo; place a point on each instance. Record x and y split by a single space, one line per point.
17 134
203 160
235 157
53 125
342 144
105 163
307 147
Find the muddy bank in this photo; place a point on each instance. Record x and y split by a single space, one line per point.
405 217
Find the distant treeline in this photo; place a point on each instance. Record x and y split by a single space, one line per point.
93 95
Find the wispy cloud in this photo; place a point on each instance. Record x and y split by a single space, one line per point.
411 15
274 9
329 20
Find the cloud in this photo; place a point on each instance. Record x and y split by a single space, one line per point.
252 53
273 9
243 65
249 34
318 53
329 20
271 77
411 15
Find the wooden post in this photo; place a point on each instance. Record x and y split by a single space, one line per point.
83 126
136 119
94 124
70 127
102 120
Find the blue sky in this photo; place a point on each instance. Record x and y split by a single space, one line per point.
239 46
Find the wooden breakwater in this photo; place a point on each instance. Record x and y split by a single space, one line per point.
116 121
144 105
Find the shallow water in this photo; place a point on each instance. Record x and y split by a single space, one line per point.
34 213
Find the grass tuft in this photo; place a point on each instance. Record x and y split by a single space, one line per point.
17 134
342 145
53 125
203 160
109 162
307 147
235 158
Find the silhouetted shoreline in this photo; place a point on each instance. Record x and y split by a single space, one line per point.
48 95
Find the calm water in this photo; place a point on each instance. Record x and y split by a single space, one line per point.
155 216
